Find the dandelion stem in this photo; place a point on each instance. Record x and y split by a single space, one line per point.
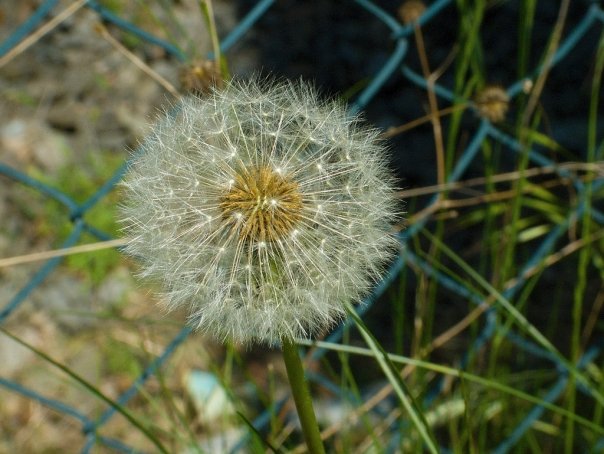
299 387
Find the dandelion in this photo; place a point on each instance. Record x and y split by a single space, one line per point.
265 211
262 209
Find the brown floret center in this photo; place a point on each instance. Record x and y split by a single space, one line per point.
262 204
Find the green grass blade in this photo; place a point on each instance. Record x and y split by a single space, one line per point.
90 387
252 429
520 319
397 383
446 370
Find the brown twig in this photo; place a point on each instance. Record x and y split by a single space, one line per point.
502 177
37 256
395 130
434 117
40 32
137 61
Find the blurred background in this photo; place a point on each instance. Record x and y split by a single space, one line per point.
76 99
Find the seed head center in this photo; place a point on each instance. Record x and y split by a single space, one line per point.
262 204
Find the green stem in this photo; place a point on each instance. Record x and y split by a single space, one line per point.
208 14
299 387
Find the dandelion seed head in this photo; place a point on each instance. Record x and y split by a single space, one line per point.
261 209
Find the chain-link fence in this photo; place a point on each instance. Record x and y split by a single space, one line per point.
402 36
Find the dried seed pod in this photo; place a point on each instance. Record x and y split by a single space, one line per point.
410 11
200 77
492 103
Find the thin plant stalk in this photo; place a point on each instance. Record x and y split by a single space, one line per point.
301 393
208 13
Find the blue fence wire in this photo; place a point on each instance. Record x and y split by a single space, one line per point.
400 35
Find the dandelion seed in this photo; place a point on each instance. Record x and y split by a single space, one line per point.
301 228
